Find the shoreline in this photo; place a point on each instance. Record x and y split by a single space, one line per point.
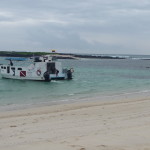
100 98
59 55
88 125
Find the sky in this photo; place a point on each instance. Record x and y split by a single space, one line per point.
76 26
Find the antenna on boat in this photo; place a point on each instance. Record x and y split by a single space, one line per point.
33 56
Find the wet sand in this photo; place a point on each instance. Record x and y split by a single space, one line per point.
117 125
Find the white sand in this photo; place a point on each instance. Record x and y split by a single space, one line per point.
82 126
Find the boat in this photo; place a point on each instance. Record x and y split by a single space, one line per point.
42 68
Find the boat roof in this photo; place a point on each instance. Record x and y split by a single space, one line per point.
16 58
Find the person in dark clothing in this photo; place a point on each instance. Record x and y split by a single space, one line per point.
47 76
57 71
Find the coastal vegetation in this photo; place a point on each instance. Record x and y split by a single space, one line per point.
22 54
59 55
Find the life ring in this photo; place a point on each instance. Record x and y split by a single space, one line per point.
38 72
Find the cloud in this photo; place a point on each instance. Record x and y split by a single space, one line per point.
92 26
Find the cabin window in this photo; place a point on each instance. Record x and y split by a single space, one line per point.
19 68
51 68
13 69
8 69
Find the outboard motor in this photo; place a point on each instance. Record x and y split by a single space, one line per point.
69 74
47 76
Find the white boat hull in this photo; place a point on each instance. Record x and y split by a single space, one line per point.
44 70
21 78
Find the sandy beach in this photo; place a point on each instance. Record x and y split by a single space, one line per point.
117 125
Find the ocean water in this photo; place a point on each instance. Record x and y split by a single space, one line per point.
93 78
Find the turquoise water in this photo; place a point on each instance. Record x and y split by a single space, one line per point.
104 77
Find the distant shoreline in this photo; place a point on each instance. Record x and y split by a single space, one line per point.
58 55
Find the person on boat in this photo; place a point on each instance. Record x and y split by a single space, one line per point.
11 63
47 76
57 71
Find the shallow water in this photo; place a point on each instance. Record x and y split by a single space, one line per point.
102 78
